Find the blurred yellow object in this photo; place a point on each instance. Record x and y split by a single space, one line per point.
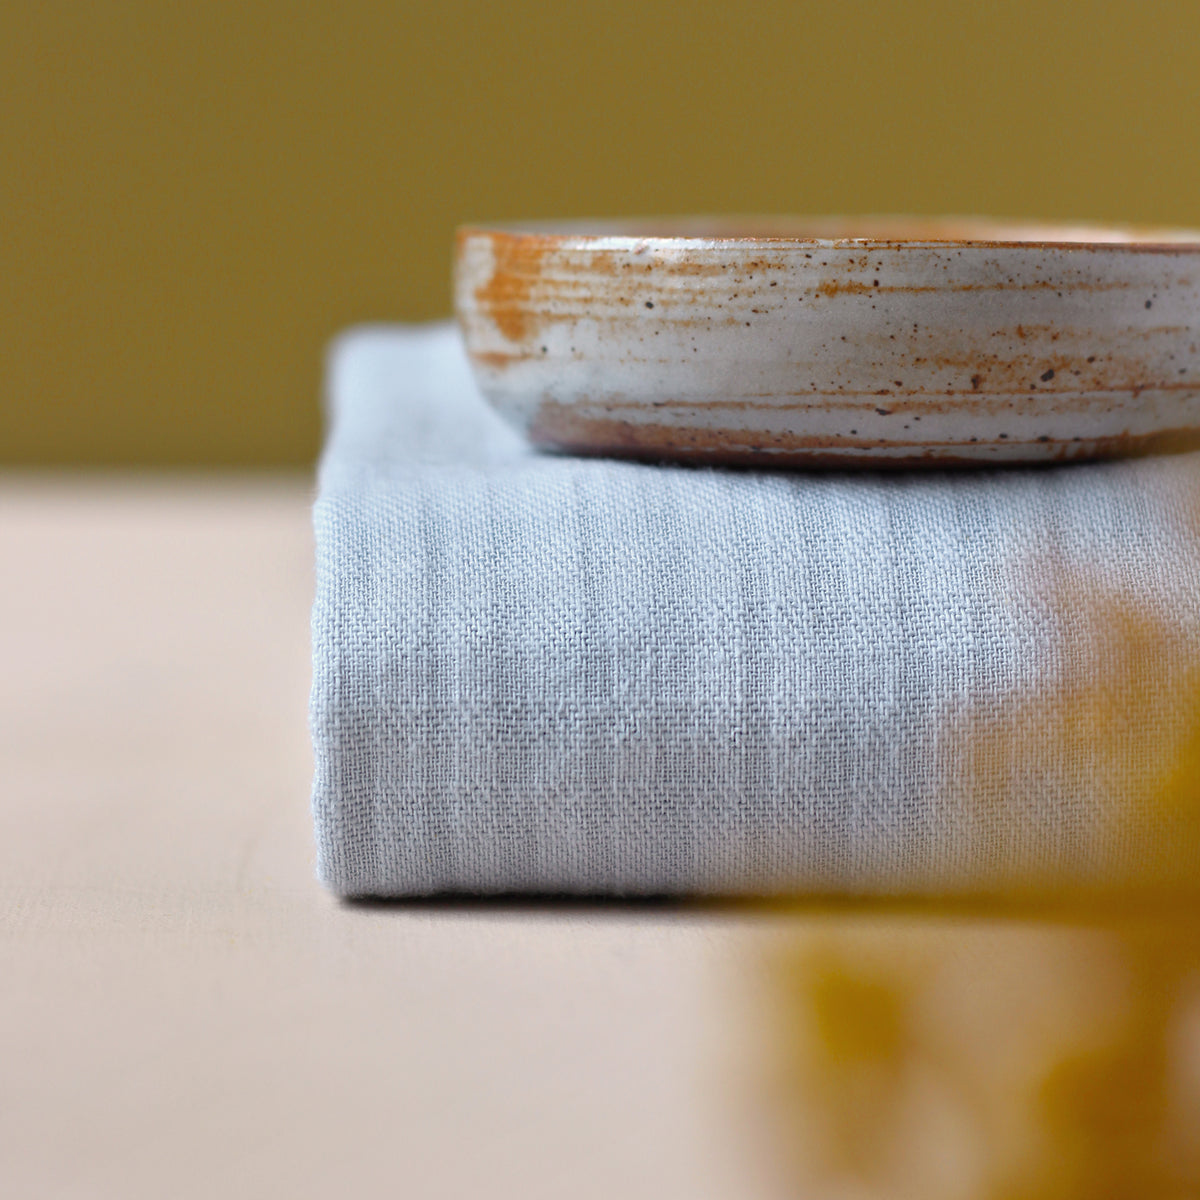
1035 1053
1116 733
996 1058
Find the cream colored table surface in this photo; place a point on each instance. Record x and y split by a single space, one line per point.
185 1012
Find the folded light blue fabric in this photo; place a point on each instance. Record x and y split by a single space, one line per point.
552 674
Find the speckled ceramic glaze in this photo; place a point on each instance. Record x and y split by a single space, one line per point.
869 343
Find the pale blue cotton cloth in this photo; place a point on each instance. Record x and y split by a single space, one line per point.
537 673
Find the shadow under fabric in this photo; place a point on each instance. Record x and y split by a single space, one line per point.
539 673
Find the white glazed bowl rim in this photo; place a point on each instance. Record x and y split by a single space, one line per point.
780 232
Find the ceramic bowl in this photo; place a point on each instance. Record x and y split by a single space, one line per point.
873 343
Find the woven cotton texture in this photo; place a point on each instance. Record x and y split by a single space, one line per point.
553 674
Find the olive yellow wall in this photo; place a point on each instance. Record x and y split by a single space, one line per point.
194 196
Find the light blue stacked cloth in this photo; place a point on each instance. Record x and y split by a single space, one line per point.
537 673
